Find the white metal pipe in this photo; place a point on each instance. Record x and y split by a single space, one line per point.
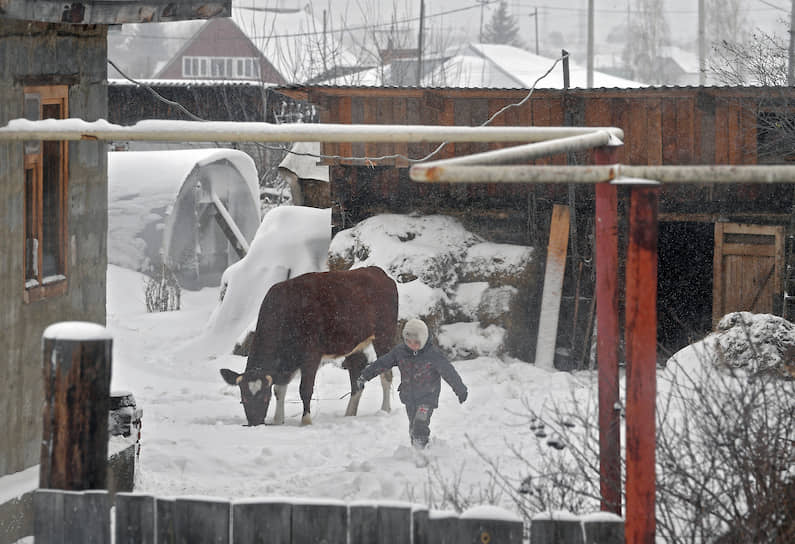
225 131
598 174
527 152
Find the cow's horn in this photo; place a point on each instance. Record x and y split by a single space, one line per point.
270 380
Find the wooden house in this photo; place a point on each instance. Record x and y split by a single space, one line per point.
53 58
721 247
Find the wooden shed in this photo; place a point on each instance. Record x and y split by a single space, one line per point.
721 247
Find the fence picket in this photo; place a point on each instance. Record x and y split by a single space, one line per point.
442 528
556 531
86 516
261 521
394 524
201 521
363 520
477 528
135 519
48 516
164 513
320 522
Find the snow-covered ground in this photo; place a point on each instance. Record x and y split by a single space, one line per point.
194 441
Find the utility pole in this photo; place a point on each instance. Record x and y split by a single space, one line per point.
791 62
702 43
420 45
482 5
534 15
589 66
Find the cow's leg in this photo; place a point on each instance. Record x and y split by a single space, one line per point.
280 391
306 389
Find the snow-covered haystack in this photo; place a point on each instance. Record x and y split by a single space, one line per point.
752 343
460 284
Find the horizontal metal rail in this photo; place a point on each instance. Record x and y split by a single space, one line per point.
615 173
225 131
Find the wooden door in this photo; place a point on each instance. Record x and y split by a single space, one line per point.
748 269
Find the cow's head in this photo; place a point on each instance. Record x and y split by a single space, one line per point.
255 392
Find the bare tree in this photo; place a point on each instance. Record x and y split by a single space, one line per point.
647 32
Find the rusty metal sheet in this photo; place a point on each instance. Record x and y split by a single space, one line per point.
113 11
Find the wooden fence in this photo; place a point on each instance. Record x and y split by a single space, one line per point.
86 517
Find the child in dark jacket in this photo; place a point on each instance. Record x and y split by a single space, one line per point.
421 366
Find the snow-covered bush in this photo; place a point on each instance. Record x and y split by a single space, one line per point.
446 275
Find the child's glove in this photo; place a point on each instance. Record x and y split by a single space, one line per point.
462 395
360 381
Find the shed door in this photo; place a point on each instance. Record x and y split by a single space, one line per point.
748 266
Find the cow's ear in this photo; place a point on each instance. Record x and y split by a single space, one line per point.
229 376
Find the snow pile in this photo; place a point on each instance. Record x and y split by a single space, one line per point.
292 240
451 278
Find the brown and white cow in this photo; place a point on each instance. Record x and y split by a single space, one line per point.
315 316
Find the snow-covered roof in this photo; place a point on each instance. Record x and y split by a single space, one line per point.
506 66
291 39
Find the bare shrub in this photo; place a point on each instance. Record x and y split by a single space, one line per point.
725 455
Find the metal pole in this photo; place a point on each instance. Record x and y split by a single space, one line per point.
420 44
229 131
618 174
702 44
641 342
565 55
607 336
589 61
535 15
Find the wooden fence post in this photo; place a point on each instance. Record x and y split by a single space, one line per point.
490 525
197 521
260 521
320 521
76 367
135 519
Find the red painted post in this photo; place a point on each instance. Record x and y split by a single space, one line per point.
607 336
641 336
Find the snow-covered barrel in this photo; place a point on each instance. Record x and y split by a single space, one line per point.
194 211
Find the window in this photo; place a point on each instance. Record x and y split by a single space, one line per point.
221 67
45 198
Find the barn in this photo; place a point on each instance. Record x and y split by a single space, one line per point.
722 247
53 59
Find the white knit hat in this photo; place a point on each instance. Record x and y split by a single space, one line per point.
415 329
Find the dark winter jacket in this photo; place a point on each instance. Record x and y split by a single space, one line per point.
420 373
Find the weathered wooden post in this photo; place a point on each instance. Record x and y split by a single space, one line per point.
320 521
556 528
641 338
76 367
205 520
607 338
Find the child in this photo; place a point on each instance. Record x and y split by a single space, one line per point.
421 365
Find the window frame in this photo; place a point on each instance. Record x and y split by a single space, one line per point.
45 286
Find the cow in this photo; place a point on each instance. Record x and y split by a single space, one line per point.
309 318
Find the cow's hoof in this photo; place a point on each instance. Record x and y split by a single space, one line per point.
306 420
